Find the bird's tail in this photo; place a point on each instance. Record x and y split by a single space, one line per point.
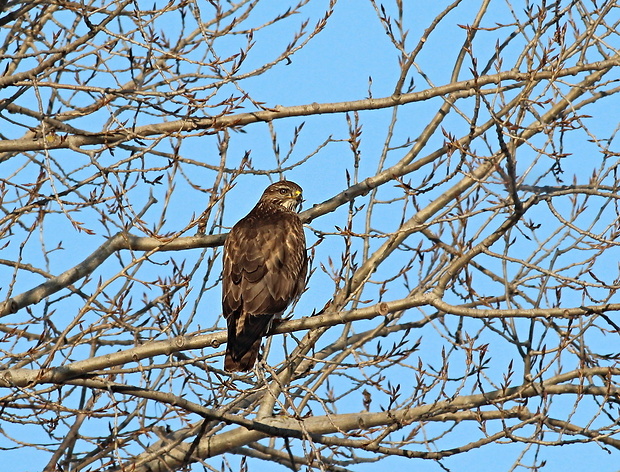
244 339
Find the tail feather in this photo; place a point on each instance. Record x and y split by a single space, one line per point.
244 342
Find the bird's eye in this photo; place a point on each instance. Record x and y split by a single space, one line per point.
283 191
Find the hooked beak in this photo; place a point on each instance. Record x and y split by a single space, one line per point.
299 199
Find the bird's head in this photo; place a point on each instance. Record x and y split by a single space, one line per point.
284 193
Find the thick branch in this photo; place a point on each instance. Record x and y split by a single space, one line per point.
31 377
314 428
460 89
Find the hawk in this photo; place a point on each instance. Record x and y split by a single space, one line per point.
265 266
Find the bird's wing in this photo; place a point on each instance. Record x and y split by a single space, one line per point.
264 266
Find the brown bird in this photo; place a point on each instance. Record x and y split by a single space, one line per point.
265 267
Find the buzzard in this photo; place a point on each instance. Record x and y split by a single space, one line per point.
265 266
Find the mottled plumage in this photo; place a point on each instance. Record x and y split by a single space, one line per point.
265 266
